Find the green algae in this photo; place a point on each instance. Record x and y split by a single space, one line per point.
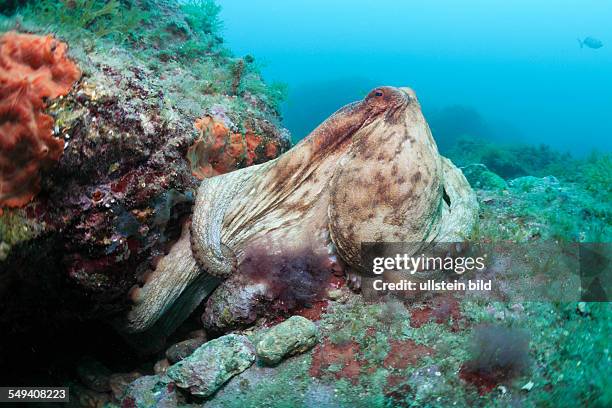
99 18
288 389
179 42
511 160
203 15
597 174
573 356
480 177
293 336
545 209
568 348
16 228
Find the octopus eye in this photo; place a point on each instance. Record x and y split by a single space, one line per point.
378 93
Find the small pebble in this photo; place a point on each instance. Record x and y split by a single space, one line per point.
161 366
183 349
583 308
334 294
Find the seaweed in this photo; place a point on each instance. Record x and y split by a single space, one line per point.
203 16
573 355
164 35
99 18
597 174
499 352
513 160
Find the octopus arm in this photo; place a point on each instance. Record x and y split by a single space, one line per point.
215 197
172 291
460 206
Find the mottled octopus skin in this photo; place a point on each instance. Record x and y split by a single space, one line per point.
369 173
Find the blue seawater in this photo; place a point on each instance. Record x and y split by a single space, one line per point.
512 71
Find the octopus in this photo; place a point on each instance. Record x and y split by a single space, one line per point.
265 236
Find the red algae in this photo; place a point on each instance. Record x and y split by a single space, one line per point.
327 354
397 389
314 311
405 353
441 310
483 381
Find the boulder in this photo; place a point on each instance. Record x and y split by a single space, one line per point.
531 184
213 364
151 391
295 335
179 351
480 177
120 382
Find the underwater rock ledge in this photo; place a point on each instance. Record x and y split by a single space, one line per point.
120 185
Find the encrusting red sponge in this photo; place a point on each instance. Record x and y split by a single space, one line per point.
32 68
219 150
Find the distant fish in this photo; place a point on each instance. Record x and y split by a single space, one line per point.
591 43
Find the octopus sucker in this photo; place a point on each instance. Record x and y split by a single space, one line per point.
261 230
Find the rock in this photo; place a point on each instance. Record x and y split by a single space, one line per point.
295 335
212 364
179 351
249 382
334 294
427 382
120 381
528 386
87 398
531 184
151 391
94 375
197 334
228 309
582 309
4 250
161 366
124 184
321 395
480 177
517 308
550 180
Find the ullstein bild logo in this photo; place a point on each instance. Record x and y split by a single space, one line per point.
535 271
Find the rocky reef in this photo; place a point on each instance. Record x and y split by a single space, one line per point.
448 350
117 116
102 107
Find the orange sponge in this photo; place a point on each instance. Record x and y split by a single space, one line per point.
31 68
218 150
